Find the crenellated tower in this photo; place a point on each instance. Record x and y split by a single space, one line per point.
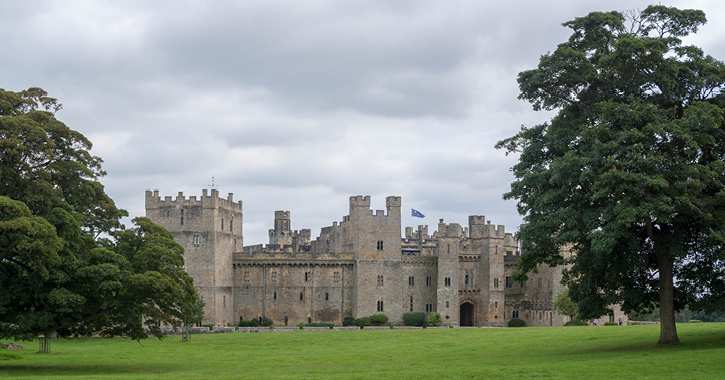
374 239
210 230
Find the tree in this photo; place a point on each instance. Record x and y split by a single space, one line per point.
565 306
630 172
56 274
193 316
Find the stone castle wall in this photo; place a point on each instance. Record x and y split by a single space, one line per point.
354 268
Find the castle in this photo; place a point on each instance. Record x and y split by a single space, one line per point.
358 267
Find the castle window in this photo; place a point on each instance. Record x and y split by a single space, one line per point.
195 240
327 296
411 303
181 221
222 223
380 245
308 277
286 320
448 304
246 276
466 281
448 281
380 306
302 296
411 281
495 283
429 281
336 276
380 280
275 295
495 305
509 253
274 276
509 283
231 225
182 212
515 314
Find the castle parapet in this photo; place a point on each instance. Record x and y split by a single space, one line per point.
154 201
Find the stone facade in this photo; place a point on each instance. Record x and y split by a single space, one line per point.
355 268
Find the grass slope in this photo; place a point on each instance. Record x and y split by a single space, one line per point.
621 352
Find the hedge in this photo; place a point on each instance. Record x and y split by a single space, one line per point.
517 323
414 319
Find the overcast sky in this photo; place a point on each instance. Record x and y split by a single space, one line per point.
297 105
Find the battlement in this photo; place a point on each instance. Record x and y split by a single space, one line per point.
393 201
420 233
476 220
207 200
452 230
359 201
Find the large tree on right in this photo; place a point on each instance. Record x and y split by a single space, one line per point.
630 173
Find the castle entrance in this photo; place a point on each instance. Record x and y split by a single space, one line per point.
466 314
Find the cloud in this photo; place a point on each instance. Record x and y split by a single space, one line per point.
299 105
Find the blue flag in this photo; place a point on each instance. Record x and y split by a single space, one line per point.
417 213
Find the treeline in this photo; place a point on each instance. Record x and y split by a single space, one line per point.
683 316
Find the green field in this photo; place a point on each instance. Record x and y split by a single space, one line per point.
607 352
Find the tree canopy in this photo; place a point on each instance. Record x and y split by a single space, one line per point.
630 171
66 264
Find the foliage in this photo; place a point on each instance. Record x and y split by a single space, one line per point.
250 323
365 321
629 174
611 324
266 322
434 319
576 322
378 319
56 274
564 305
316 324
348 321
416 318
515 322
190 317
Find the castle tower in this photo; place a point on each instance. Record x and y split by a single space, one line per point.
210 230
491 241
448 272
281 233
375 242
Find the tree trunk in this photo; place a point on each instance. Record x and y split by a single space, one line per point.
668 329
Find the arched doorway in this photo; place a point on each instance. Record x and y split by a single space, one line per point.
466 315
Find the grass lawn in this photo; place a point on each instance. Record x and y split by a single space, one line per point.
607 352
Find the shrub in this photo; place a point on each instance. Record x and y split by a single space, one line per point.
316 324
517 323
209 325
254 322
414 319
266 321
348 321
611 324
434 319
366 321
378 319
576 322
694 321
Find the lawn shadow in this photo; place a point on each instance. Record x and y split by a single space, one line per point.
689 341
81 369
